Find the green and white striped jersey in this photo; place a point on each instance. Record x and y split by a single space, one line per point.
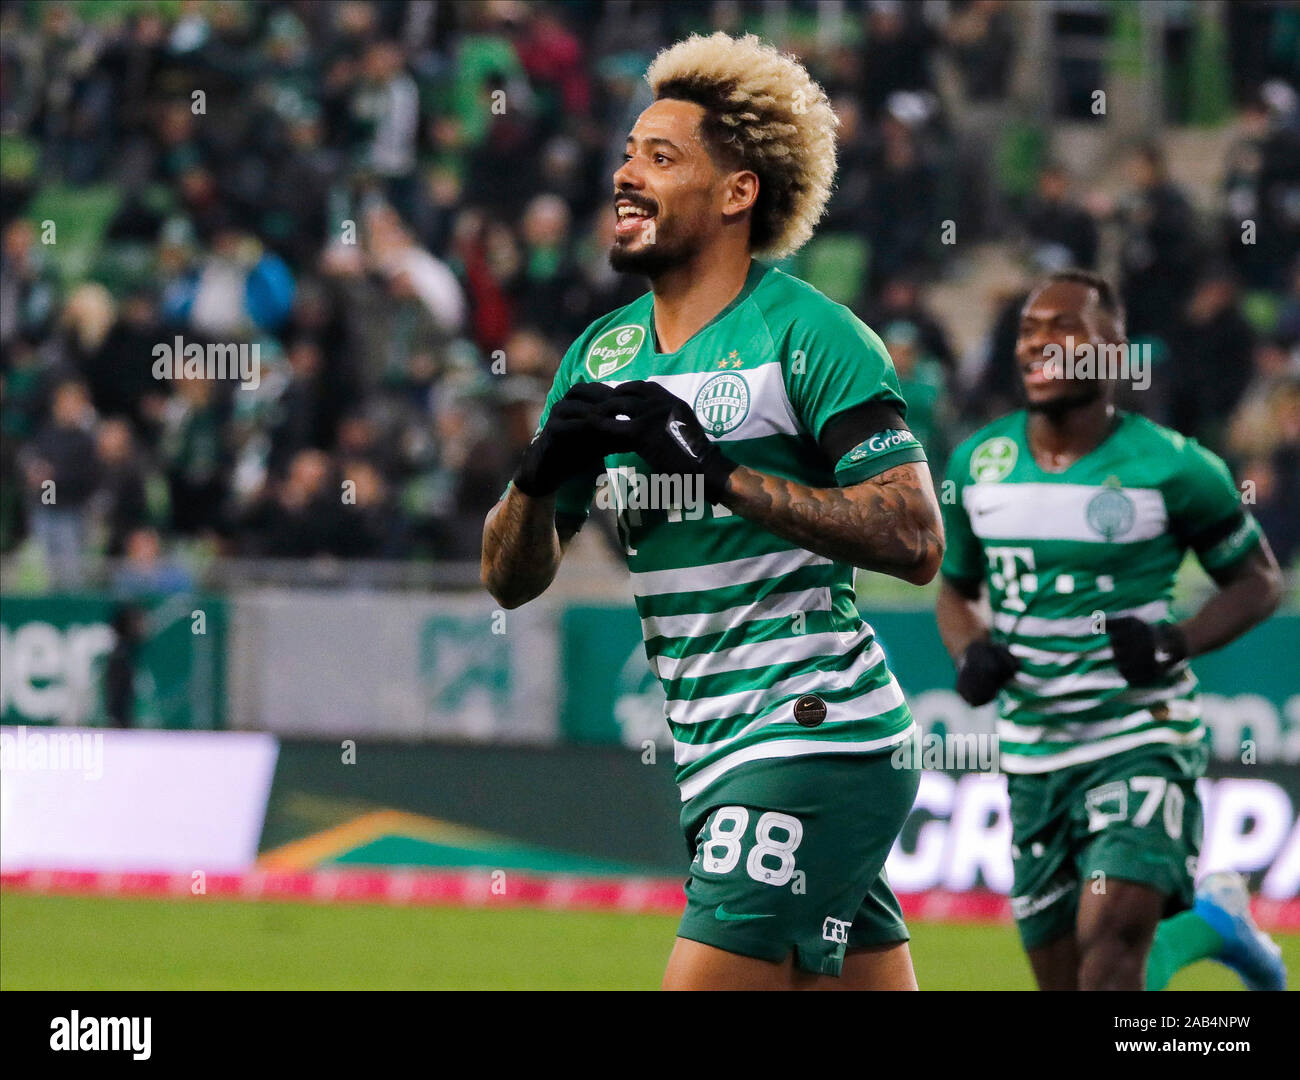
1059 550
739 624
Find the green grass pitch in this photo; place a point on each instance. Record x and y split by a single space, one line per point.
85 943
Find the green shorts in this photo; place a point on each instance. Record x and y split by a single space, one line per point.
1134 817
790 855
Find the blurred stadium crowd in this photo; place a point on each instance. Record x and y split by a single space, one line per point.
406 207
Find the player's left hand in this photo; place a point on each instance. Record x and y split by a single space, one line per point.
646 419
1144 652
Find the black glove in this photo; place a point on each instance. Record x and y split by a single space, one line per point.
663 429
566 445
1144 652
983 670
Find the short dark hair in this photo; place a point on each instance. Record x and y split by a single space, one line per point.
1107 298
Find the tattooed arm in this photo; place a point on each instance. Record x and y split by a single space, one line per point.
889 523
522 547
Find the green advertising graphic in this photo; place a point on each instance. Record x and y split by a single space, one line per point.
54 651
1250 693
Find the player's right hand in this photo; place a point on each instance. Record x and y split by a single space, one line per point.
983 670
566 445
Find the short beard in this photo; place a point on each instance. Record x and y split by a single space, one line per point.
650 261
1059 406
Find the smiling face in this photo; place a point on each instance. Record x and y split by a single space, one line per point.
1059 311
670 197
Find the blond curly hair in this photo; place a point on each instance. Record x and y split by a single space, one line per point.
765 113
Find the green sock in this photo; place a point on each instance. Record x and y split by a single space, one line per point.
1180 941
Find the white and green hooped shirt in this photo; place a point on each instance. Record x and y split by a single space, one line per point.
1058 551
739 624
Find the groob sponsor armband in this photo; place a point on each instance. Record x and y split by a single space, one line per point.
875 454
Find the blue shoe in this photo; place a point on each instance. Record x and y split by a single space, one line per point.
1223 902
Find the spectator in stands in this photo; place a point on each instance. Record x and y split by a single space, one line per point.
898 46
1159 248
146 571
900 299
848 210
120 372
543 290
84 323
979 39
302 418
120 503
1252 429
465 480
298 517
1262 190
386 110
1060 231
60 473
27 289
904 219
1210 366
368 525
194 456
396 297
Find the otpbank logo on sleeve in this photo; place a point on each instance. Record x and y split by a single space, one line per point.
614 349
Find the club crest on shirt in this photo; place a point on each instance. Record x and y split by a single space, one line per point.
993 459
722 403
1110 513
614 349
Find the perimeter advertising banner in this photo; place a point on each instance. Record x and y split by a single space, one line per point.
87 799
54 650
958 835
333 664
1250 691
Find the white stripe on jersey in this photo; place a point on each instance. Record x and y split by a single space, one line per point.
1058 659
1095 751
1062 707
1085 731
743 702
770 411
1028 512
773 606
1080 626
1101 679
785 748
873 703
754 654
688 579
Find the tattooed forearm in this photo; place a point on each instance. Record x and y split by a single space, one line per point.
889 523
521 549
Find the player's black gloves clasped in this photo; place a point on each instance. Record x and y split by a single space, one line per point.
566 445
648 420
983 670
1144 652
